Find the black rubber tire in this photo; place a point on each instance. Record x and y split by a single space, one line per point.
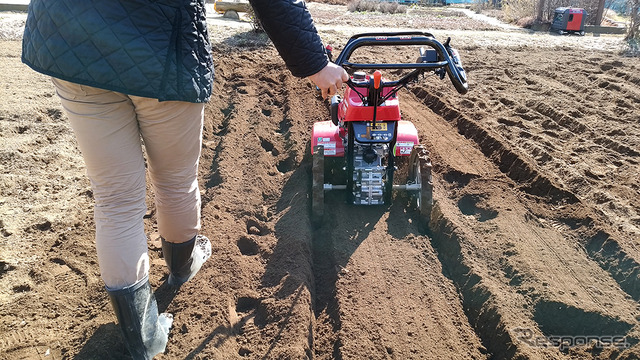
420 173
349 162
317 186
388 187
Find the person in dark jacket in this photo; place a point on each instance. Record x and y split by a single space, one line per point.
131 69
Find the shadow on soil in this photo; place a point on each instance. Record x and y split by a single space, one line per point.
326 249
556 318
105 343
252 309
483 314
344 229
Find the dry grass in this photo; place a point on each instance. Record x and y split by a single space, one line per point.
376 6
11 26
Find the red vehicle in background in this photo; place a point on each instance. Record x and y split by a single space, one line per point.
569 20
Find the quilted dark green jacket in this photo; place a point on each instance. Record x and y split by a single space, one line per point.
151 48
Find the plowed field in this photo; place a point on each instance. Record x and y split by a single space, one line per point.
532 251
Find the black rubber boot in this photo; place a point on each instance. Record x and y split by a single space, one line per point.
145 331
185 259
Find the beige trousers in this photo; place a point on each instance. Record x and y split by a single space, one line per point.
110 128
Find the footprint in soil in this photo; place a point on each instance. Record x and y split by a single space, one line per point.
246 305
54 114
245 308
507 102
41 225
21 129
263 311
288 164
248 246
21 288
269 147
256 228
510 122
459 178
284 126
610 65
67 277
5 268
240 87
248 316
5 232
471 205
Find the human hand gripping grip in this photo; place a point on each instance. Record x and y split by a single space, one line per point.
330 79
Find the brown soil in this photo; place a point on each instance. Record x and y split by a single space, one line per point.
417 17
536 232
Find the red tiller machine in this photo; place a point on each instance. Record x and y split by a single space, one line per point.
356 150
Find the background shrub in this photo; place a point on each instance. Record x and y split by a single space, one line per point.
387 7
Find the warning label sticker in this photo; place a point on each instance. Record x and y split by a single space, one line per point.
328 145
404 147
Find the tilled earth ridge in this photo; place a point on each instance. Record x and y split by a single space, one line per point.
535 233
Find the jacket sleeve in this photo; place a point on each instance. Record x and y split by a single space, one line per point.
289 25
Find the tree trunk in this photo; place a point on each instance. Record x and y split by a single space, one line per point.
540 10
599 13
634 25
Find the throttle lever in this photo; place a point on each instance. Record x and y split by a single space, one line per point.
328 50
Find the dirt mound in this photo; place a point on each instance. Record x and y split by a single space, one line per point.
532 251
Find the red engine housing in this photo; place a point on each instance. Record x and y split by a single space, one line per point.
352 109
333 137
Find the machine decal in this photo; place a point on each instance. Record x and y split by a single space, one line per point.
404 147
328 144
381 126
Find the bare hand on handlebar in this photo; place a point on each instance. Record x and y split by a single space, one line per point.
329 79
